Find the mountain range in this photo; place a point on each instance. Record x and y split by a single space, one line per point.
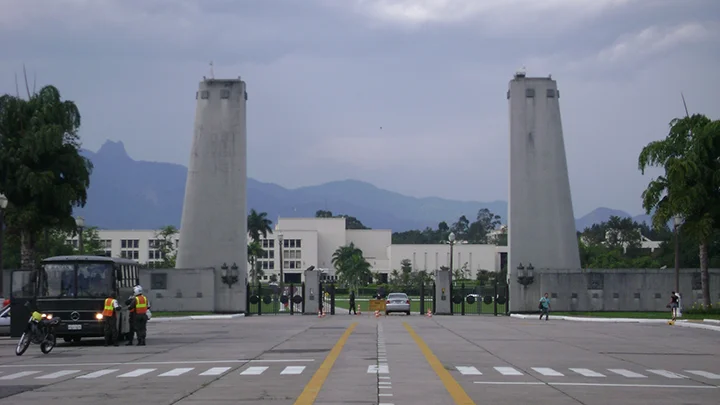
129 194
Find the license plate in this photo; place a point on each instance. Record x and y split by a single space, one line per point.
74 327
397 302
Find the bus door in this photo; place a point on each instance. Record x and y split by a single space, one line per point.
23 289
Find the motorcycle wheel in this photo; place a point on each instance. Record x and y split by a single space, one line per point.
23 344
49 343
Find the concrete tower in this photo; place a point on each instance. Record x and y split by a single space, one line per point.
214 218
541 219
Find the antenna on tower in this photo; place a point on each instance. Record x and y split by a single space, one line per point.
212 72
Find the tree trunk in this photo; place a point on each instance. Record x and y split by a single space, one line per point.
27 250
705 274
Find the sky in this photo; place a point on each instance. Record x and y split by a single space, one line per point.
409 95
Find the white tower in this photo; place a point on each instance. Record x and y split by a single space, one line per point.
214 218
541 219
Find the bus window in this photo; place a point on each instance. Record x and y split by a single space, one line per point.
95 280
59 281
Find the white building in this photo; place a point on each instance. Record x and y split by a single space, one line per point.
312 242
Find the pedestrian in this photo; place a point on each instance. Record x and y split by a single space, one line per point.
110 320
674 304
138 305
544 307
352 303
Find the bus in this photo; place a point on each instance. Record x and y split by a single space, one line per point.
74 289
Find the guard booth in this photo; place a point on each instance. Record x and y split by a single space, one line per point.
22 291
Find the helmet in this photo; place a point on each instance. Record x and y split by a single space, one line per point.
137 290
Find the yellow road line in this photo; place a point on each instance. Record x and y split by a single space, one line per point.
312 389
451 385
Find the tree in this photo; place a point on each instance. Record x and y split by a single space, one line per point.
690 186
405 272
254 251
44 174
258 224
350 265
90 242
166 245
350 221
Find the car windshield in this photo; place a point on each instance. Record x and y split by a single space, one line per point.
397 297
91 280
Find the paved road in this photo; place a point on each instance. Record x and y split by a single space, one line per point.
395 360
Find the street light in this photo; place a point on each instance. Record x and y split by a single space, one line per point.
3 205
525 276
80 223
280 243
229 276
677 223
451 240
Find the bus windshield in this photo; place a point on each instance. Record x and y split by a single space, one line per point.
93 280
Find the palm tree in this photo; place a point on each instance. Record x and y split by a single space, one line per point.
355 271
258 224
254 251
344 253
690 188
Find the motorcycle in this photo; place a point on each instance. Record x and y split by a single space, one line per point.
40 330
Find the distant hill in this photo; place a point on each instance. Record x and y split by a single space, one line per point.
129 194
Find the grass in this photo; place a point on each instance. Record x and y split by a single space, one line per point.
634 315
165 314
415 306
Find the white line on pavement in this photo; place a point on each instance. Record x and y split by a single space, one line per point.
133 363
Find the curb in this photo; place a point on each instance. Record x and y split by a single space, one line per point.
682 322
195 317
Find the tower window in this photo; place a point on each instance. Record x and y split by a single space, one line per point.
529 93
224 93
551 93
205 94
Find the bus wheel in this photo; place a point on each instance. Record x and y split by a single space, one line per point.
76 339
67 339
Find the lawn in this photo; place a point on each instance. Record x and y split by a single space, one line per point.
415 306
165 314
634 315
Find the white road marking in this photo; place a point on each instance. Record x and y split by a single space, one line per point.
464 370
508 383
137 373
18 375
626 373
176 372
254 371
381 369
587 372
667 374
594 384
705 374
215 371
384 383
548 372
147 363
98 373
57 374
507 371
384 395
293 370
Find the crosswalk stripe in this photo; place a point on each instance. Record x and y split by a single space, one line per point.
254 370
98 373
586 372
667 374
176 372
215 371
57 374
293 370
507 371
701 373
137 373
548 372
465 370
626 373
18 375
381 369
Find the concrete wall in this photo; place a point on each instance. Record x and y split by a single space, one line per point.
374 244
432 257
214 224
180 289
610 289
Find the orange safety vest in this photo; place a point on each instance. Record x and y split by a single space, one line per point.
108 310
140 304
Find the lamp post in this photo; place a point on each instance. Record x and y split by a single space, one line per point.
451 241
3 205
525 275
80 223
280 245
676 231
229 276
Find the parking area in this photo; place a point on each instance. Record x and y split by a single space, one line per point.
396 359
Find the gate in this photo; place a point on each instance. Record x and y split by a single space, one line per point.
290 300
479 299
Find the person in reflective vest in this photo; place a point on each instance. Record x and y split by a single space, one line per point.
110 308
138 305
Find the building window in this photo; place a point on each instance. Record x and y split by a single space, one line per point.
268 244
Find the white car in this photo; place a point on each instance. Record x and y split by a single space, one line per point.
5 321
397 302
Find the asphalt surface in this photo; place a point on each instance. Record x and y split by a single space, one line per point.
341 359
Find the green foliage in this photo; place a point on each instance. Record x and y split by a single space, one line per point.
166 245
44 175
351 267
702 309
350 221
477 231
254 251
258 224
690 186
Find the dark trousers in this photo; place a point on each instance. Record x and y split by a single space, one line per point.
352 307
111 331
545 312
141 327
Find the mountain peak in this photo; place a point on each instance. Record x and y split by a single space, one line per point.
113 150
